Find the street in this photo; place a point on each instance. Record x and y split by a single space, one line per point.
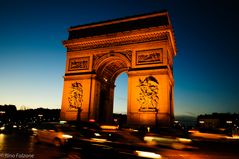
23 146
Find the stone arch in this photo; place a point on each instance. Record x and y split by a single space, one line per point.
144 47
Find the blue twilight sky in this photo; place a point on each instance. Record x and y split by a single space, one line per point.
32 57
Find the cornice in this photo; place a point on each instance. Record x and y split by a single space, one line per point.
115 35
122 38
106 41
120 20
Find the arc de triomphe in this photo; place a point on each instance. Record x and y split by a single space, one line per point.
143 47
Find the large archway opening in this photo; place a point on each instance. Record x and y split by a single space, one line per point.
121 94
120 99
108 70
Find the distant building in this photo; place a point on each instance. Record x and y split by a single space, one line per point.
209 123
9 114
218 121
187 122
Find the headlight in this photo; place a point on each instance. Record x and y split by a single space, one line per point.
148 154
98 140
2 128
97 134
34 129
67 136
148 138
184 140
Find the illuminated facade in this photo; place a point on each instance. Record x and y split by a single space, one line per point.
143 47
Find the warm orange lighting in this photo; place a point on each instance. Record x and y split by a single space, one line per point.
139 53
233 137
98 140
192 131
2 140
111 127
207 135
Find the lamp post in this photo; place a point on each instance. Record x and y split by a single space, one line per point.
156 118
79 110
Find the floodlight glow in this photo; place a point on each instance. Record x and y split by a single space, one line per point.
67 136
148 154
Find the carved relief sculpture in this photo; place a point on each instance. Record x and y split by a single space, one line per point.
149 56
76 96
148 96
81 63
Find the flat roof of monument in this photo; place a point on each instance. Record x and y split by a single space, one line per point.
120 25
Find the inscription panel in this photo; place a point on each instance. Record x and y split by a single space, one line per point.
152 56
80 63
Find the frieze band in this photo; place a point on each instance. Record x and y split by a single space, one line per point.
72 45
